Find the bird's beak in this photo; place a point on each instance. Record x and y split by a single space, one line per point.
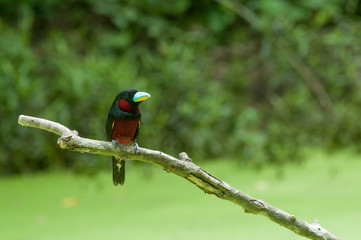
140 96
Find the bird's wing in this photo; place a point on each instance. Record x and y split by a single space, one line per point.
109 126
136 131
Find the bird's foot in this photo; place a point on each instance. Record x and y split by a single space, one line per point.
136 146
115 143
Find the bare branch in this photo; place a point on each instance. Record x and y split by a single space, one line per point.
185 168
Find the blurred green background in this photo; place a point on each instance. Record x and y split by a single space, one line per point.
241 85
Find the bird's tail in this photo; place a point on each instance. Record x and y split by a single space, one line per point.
118 171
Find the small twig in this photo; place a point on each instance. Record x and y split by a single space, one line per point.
185 168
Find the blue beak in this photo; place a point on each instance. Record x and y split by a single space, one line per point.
140 96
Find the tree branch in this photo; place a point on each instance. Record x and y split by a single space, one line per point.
185 168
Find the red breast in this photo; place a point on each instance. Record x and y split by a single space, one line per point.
124 130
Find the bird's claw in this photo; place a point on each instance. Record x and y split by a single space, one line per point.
136 146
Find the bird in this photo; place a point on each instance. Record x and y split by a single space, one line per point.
122 126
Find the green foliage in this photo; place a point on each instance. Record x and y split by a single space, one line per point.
219 85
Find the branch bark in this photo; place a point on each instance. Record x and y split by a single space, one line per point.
183 167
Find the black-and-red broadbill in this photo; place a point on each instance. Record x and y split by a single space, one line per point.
123 125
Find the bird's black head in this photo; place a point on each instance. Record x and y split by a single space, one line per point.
128 95
129 100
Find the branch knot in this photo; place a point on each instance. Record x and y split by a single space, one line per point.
184 157
66 137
